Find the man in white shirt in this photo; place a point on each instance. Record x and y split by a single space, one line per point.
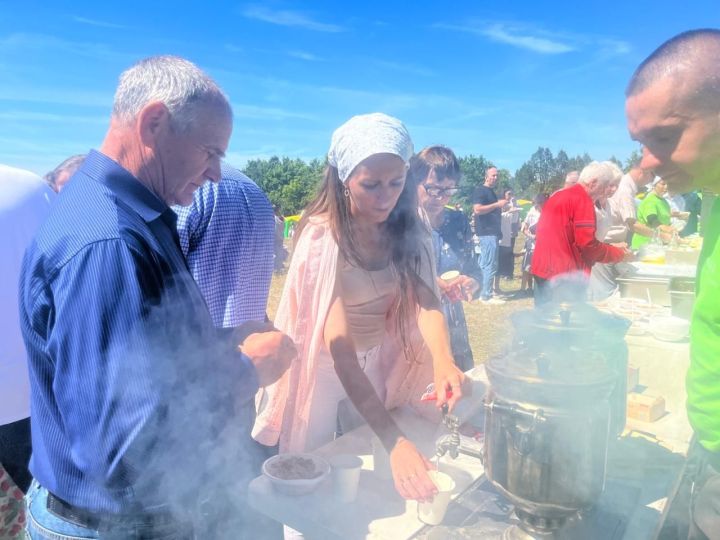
623 224
24 204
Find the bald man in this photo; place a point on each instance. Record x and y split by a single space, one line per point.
673 109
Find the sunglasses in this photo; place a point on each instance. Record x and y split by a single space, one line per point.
436 191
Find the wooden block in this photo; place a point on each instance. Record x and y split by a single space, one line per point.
645 407
633 378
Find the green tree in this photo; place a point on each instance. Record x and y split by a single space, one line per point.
473 175
288 183
632 159
616 161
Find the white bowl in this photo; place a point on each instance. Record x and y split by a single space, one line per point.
669 328
296 474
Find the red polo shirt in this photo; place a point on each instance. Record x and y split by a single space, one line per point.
565 240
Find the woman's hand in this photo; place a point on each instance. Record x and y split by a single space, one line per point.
448 377
461 288
409 470
469 286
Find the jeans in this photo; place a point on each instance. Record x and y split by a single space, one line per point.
488 263
44 525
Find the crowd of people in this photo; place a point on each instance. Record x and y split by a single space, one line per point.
142 346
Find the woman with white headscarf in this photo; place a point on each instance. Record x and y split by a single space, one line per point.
360 302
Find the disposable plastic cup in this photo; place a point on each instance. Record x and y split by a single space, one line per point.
346 476
448 276
381 460
432 513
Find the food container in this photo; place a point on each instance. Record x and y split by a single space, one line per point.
653 289
682 297
682 256
296 474
669 328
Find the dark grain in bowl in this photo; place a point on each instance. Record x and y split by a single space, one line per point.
293 468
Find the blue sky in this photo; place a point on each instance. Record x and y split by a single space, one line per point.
484 77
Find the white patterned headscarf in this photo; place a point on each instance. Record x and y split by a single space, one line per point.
366 135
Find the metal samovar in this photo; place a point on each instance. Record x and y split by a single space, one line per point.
555 400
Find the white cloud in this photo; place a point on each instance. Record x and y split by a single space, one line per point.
23 42
302 55
33 116
266 113
289 18
513 36
516 35
101 24
404 67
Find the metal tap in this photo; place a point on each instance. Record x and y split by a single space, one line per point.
451 444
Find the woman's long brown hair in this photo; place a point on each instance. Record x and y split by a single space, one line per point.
404 231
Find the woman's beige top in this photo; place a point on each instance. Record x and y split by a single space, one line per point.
368 295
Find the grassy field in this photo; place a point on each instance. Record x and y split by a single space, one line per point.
489 326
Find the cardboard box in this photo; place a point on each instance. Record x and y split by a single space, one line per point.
645 407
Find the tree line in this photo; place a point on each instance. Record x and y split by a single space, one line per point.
290 183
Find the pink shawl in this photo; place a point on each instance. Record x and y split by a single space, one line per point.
301 314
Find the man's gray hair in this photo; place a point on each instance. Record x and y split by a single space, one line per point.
174 81
69 166
606 172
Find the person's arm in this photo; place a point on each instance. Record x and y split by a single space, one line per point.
592 250
482 203
118 373
433 328
409 466
641 229
479 208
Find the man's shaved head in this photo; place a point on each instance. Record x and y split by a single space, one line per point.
673 110
692 57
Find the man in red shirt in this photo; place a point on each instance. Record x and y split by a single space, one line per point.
565 246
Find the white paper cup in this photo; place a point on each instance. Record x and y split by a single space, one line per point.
433 512
450 275
381 460
346 476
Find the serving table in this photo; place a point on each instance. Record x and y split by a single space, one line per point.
645 468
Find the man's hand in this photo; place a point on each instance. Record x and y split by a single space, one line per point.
271 353
628 256
251 327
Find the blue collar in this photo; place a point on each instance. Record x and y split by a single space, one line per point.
125 186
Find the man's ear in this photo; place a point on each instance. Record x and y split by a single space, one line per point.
153 120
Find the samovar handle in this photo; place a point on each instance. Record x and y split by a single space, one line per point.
522 437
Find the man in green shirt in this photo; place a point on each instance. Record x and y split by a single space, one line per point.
673 109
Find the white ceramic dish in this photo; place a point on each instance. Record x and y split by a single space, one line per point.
669 328
296 474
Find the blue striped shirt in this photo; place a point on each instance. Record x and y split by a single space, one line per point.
227 235
132 386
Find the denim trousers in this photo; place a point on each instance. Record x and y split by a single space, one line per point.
44 525
488 263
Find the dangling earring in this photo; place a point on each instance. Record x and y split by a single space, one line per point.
346 192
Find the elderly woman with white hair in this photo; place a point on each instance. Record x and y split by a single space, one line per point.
361 303
566 246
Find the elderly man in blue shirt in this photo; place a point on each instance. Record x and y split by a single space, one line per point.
140 405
